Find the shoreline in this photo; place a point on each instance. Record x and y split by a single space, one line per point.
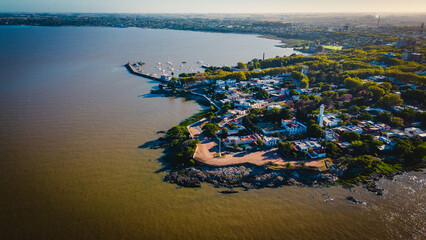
247 175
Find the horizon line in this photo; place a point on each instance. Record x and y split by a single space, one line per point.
233 13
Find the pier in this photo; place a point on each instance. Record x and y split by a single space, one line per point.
132 70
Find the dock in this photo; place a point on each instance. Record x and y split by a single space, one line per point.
132 70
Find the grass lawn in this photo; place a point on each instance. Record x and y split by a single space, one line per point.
331 47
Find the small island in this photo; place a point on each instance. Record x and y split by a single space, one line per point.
342 116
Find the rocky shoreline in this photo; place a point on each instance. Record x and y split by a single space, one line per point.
247 177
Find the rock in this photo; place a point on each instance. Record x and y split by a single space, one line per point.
353 200
293 182
372 187
183 180
228 191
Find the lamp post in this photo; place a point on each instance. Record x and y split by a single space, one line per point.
220 141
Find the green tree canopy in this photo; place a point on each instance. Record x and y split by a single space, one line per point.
315 131
390 100
210 129
353 83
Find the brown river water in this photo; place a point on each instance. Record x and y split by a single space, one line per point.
71 121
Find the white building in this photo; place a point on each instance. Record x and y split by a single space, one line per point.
331 120
293 126
330 136
270 141
321 116
275 106
220 83
312 148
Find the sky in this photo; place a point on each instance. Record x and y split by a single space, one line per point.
216 6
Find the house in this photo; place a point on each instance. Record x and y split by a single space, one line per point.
293 126
416 132
232 140
378 110
220 83
331 120
166 77
395 133
330 136
349 128
247 139
389 144
312 148
230 82
371 127
270 141
275 106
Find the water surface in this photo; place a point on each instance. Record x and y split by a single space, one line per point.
71 121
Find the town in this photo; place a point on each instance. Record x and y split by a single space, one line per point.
336 110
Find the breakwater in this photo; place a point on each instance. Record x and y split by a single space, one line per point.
132 70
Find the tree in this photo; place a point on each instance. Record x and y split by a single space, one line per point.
285 147
210 129
332 149
303 164
354 109
294 93
242 65
349 136
262 94
397 122
384 117
240 76
320 48
386 87
259 142
358 147
365 116
315 131
416 95
390 100
297 75
376 92
304 83
224 133
353 83
177 133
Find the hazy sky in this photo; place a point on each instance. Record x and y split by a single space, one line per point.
215 6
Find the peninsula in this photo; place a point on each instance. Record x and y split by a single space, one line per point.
343 115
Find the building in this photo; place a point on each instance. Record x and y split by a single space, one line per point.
400 43
331 120
321 116
305 70
166 77
349 128
388 55
416 132
293 127
330 136
312 148
270 141
417 57
410 56
275 106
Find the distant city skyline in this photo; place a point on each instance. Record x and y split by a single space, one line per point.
217 6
